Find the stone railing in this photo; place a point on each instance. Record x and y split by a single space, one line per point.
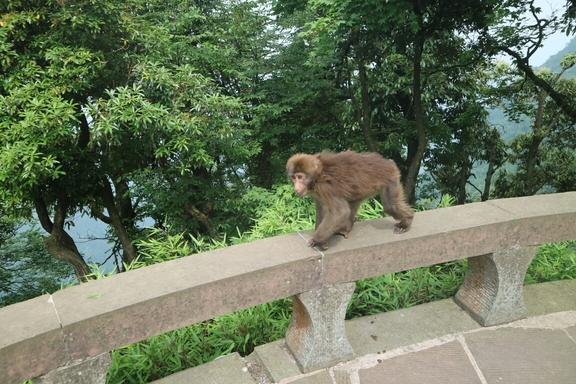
66 337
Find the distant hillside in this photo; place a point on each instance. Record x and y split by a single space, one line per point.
553 62
508 129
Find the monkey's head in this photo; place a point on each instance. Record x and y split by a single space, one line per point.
303 170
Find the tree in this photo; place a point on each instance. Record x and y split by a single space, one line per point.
520 32
468 142
396 64
27 270
543 158
95 94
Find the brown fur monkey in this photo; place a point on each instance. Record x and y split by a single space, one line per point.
340 182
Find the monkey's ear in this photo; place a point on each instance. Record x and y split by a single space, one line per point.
317 164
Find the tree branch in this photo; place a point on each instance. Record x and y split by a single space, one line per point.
60 213
565 103
475 187
43 214
100 216
84 137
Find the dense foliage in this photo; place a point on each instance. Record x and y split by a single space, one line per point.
172 111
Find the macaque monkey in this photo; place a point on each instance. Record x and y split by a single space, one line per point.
340 182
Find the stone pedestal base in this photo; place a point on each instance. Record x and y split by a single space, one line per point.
316 336
492 289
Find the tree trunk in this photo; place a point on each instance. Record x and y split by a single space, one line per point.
537 137
364 114
462 182
488 181
129 250
263 175
414 166
125 207
59 243
366 118
202 218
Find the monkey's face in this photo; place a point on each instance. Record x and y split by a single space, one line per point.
301 182
303 170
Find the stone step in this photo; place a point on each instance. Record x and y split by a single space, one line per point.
229 369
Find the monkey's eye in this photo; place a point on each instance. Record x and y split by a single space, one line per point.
297 177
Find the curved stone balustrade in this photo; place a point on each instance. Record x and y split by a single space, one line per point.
70 327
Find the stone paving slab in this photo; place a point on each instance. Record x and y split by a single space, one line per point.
385 331
320 377
554 296
278 362
229 369
444 364
524 356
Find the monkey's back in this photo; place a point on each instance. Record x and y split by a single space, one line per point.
356 175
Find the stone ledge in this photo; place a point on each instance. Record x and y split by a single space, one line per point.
31 341
229 369
448 234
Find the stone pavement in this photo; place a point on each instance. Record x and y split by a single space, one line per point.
435 343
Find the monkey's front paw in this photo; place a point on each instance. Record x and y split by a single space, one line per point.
344 234
315 244
400 228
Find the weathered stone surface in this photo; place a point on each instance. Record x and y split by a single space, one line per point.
545 229
536 205
277 360
316 335
446 234
572 333
31 341
229 369
90 371
492 288
105 314
445 364
554 296
524 356
540 218
321 377
386 331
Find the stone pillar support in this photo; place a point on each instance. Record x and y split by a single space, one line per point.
316 336
492 288
89 371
